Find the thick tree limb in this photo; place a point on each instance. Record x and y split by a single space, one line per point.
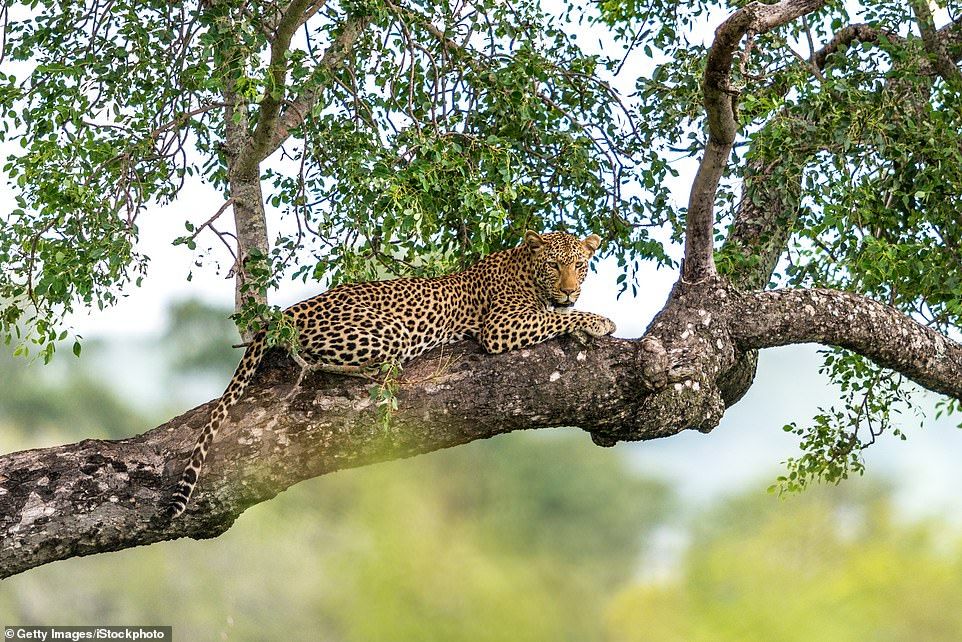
719 98
97 496
697 359
857 323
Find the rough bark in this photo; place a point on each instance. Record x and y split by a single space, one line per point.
96 496
872 329
250 224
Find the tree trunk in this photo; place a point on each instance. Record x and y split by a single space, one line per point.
250 222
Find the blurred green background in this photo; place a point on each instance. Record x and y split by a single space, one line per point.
531 536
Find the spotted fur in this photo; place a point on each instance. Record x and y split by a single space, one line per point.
510 299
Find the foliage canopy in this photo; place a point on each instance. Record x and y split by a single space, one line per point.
443 135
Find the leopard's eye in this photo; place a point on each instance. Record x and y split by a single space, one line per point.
554 266
581 265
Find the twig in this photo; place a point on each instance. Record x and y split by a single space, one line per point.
213 218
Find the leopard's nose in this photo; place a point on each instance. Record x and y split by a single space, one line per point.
569 290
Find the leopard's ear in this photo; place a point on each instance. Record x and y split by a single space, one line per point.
592 242
533 241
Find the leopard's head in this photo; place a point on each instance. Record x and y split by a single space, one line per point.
560 263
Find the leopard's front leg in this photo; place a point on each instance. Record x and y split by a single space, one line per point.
503 331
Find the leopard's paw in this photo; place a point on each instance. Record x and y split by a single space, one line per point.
600 326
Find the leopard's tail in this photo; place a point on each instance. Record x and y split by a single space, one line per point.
242 377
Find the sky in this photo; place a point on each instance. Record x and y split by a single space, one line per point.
744 452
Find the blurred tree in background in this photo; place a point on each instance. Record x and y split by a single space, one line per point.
199 337
832 564
65 402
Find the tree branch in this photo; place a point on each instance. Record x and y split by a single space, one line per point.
941 61
298 108
849 34
270 105
857 323
720 98
96 496
312 8
769 207
184 118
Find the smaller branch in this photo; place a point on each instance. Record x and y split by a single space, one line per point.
808 37
264 24
5 19
635 40
213 218
854 322
31 261
933 44
181 119
853 33
270 105
811 66
312 9
301 106
220 235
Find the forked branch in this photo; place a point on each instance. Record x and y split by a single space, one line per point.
270 105
300 106
720 97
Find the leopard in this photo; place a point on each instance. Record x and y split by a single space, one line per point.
508 300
